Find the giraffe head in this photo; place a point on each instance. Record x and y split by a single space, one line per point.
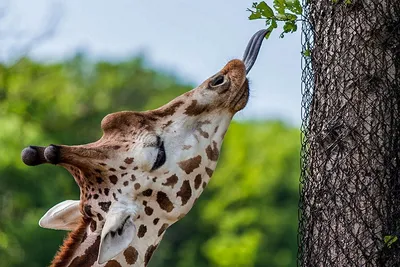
146 171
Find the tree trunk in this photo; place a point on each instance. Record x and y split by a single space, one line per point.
350 196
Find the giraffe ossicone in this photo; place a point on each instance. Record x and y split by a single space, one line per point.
146 171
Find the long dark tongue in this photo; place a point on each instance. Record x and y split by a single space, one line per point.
252 49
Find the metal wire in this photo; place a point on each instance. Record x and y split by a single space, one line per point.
349 211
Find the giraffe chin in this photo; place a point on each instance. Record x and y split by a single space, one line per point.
243 97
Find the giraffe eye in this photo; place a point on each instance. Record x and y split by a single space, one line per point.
161 156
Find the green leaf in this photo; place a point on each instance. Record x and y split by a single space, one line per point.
255 15
389 240
279 6
297 7
290 16
266 10
306 53
289 27
274 25
294 6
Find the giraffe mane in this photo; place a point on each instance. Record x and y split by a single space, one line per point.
71 243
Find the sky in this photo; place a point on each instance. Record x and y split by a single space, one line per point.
191 39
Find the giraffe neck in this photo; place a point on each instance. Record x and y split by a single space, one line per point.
81 247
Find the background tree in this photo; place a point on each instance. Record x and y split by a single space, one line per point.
351 85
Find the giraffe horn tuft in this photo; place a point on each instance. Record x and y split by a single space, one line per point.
33 155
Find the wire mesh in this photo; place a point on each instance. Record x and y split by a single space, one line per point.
349 211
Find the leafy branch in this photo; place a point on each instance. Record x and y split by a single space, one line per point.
286 11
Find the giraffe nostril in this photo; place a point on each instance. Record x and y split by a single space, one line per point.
52 154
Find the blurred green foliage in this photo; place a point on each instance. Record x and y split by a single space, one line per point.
246 217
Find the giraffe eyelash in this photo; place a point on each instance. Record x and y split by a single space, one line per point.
161 155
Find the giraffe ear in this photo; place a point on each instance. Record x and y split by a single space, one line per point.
63 216
118 232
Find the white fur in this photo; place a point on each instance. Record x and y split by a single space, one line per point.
118 219
63 216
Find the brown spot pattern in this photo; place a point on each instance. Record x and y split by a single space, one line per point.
93 226
164 202
113 179
167 124
137 186
197 181
148 210
194 109
181 216
212 152
209 172
147 192
113 263
171 181
162 229
185 192
203 133
131 255
149 252
128 160
155 221
89 257
88 210
168 111
84 237
191 164
142 230
105 205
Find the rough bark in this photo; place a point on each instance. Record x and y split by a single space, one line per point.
350 198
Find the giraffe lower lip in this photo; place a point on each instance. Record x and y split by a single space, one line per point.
237 106
239 97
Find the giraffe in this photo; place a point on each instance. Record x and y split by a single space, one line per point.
146 171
